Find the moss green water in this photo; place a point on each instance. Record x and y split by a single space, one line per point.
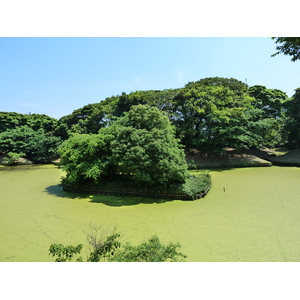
255 219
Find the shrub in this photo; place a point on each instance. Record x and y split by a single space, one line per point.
196 184
12 158
105 246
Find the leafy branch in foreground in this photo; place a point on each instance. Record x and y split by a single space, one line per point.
150 251
105 246
65 253
288 46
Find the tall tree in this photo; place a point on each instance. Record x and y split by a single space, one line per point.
267 118
86 158
140 146
212 117
145 148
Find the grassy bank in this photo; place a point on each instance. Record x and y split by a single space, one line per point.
230 158
291 158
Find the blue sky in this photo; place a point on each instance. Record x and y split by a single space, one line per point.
55 76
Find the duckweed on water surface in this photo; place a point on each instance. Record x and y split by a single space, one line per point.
250 214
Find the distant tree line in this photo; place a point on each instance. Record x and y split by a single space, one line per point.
29 136
208 114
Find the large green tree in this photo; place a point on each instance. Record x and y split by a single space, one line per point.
140 146
267 118
212 116
145 148
86 158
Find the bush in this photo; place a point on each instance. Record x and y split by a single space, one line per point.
105 246
150 251
196 184
12 158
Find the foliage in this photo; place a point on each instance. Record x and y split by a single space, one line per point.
86 158
208 114
196 184
65 253
270 101
293 120
267 118
85 120
140 146
145 148
12 120
236 86
34 144
162 99
150 251
212 117
106 246
12 158
288 46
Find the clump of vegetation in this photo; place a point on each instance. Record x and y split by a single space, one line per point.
106 246
140 147
65 253
35 145
150 251
138 151
196 184
12 158
28 136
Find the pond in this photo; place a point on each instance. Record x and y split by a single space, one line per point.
250 214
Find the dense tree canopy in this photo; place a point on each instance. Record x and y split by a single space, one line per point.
268 116
11 120
211 117
86 158
88 119
30 136
209 114
33 144
140 146
145 147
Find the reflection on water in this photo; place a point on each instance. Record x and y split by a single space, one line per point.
109 200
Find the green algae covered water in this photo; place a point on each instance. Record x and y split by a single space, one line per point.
250 214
